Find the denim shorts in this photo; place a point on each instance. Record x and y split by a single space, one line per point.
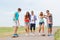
49 25
15 23
40 23
27 23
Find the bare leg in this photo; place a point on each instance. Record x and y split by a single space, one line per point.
50 30
42 28
15 30
25 29
33 31
39 28
28 29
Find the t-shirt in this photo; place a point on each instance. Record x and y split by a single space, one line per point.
49 19
41 20
16 17
32 19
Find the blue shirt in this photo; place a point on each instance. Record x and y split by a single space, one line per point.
16 17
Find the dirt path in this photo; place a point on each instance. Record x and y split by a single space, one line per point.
30 37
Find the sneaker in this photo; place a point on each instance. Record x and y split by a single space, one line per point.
43 34
32 34
39 33
49 34
15 35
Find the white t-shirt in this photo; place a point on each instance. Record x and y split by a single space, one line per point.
32 19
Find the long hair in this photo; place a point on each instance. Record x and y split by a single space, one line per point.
41 14
27 15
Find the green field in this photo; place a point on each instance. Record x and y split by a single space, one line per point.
57 35
8 31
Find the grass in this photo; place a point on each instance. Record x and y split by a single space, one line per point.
57 35
8 31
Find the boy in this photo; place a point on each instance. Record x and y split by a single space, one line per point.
49 22
16 22
32 21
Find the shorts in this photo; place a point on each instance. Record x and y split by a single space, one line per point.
16 24
49 25
40 23
32 26
27 23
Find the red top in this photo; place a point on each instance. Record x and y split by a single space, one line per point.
26 19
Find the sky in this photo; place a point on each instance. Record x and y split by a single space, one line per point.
9 7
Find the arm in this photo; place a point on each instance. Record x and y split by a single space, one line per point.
49 15
52 19
45 16
14 17
24 18
18 22
38 16
35 18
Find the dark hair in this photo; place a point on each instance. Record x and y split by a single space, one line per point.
32 12
47 10
27 15
19 9
41 13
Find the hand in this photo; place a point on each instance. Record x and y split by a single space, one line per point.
32 20
28 18
44 15
18 23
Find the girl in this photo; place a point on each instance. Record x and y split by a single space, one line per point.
27 20
41 23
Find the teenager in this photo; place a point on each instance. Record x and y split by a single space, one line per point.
16 22
32 22
27 22
41 23
49 22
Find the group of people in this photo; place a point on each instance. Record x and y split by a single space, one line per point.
30 22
